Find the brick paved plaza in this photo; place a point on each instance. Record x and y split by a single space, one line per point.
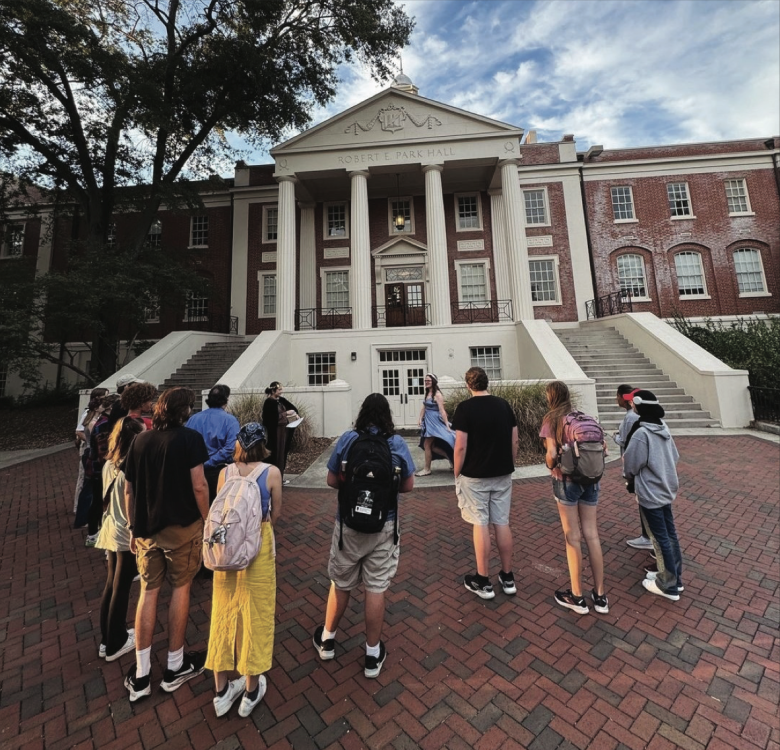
508 673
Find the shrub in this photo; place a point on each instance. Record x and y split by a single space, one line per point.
746 344
529 404
248 407
47 395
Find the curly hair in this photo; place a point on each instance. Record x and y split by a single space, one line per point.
375 410
173 408
138 394
559 401
122 435
476 379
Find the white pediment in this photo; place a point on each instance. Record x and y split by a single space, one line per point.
392 117
399 247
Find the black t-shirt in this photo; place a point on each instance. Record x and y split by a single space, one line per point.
158 466
488 421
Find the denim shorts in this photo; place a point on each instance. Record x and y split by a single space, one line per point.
569 493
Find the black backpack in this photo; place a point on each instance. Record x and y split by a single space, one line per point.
369 486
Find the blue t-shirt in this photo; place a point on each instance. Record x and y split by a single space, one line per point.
398 449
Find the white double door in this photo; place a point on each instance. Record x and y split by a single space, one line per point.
403 384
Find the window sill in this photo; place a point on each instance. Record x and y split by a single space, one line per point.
625 221
470 229
269 242
684 297
197 247
547 303
11 257
746 213
641 299
682 218
538 226
266 316
198 319
746 295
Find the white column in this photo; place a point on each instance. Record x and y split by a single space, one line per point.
500 259
438 267
517 246
360 244
308 282
285 256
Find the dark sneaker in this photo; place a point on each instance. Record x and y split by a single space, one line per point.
574 603
250 700
326 649
374 663
653 587
138 687
482 590
192 666
507 581
600 603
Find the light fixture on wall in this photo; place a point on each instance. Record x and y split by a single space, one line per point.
400 219
353 356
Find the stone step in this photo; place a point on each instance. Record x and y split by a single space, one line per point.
598 369
650 382
608 402
611 426
661 390
611 357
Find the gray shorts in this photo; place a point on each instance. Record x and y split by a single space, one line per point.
372 558
484 501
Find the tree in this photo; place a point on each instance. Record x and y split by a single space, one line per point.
99 95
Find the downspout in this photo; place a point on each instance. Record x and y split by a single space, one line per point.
587 232
230 263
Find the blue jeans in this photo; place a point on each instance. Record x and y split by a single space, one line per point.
659 523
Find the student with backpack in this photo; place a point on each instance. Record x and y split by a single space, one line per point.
650 462
369 466
239 546
575 457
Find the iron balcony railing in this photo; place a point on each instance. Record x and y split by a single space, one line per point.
766 404
494 311
203 320
391 316
323 319
610 304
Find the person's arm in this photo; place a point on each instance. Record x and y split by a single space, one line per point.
422 416
130 510
333 480
459 458
274 484
636 456
515 444
201 489
225 454
407 485
551 458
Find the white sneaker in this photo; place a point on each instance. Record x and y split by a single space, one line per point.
653 574
652 587
129 646
248 704
222 703
102 651
641 542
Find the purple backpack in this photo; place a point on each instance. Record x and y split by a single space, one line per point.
582 456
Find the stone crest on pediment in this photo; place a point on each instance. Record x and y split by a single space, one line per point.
391 119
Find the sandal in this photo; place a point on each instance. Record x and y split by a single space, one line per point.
423 473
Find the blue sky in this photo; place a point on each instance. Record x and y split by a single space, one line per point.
619 73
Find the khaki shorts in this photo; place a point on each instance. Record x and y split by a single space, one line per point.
484 500
372 558
173 553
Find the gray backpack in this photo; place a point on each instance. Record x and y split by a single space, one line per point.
582 459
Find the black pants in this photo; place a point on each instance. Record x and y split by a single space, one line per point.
96 507
116 596
212 479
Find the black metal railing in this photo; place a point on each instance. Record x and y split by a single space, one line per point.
766 404
203 320
610 304
323 319
392 316
495 311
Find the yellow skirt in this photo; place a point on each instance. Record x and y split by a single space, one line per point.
243 608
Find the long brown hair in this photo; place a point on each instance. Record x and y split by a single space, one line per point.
122 435
559 401
173 408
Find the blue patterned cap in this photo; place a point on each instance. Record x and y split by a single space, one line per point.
250 435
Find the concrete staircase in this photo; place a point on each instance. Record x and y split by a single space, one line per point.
207 366
608 358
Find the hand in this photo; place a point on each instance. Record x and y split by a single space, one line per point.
133 546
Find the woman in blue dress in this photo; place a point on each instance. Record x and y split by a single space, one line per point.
436 437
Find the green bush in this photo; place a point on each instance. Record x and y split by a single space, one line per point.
746 344
47 395
528 402
248 407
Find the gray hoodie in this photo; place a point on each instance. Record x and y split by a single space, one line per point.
651 461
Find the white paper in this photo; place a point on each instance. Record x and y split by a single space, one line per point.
296 422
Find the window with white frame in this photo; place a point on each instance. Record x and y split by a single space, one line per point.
750 272
488 358
622 203
266 307
737 196
199 231
151 308
12 244
544 280
690 274
270 223
473 283
535 207
679 199
468 211
322 367
401 207
336 221
631 274
197 307
154 237
335 289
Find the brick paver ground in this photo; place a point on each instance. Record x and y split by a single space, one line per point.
461 672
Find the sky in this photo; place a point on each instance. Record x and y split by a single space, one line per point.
618 73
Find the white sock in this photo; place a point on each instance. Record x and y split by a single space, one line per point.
372 650
143 662
175 659
327 634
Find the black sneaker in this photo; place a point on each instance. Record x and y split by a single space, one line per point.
507 581
600 602
574 603
138 687
482 590
374 663
326 649
193 664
